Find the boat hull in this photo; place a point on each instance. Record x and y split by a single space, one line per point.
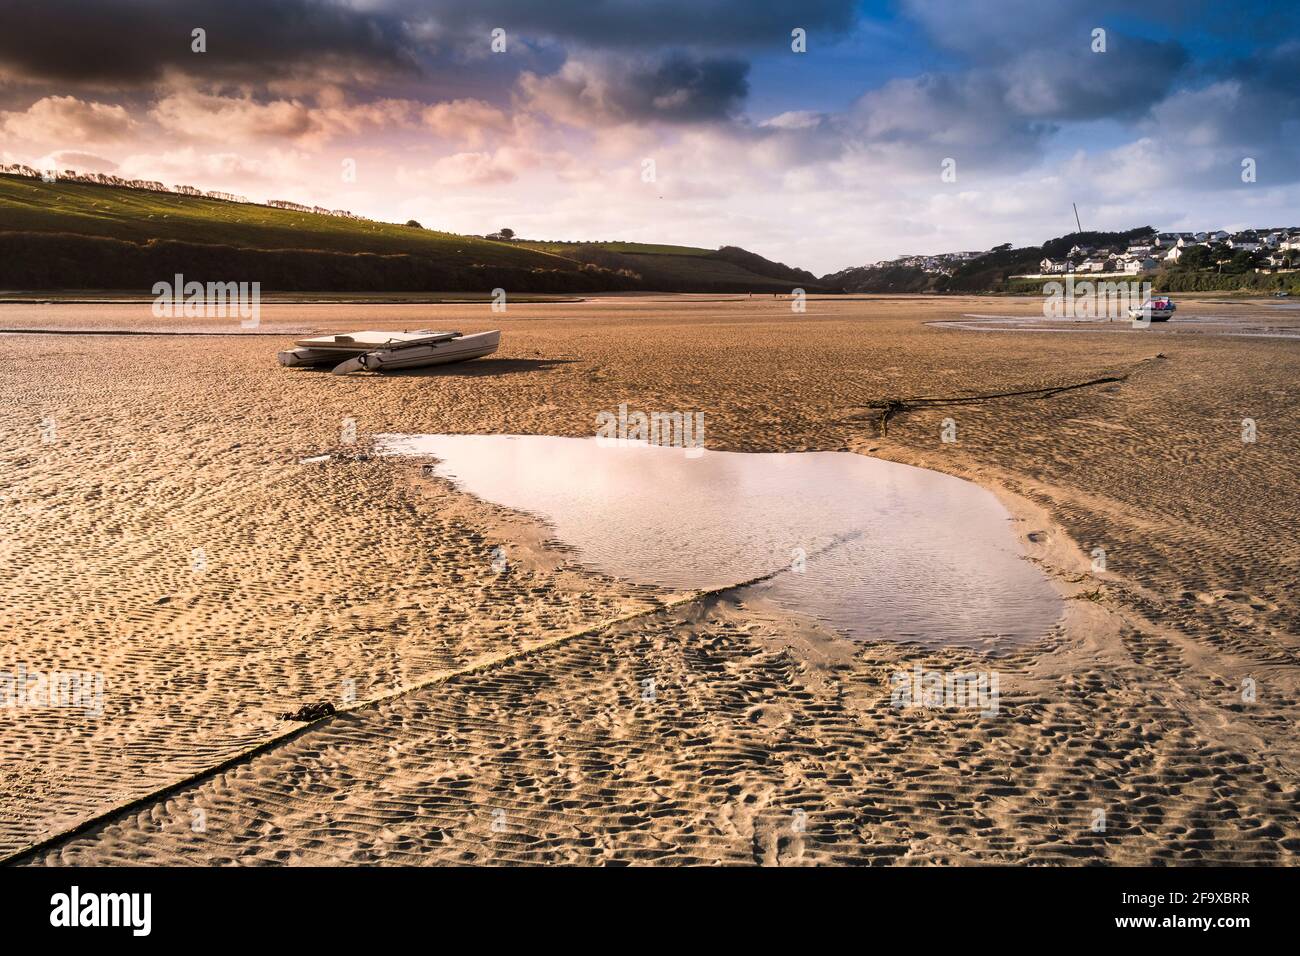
422 356
301 356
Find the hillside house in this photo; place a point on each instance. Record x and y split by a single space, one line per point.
1140 264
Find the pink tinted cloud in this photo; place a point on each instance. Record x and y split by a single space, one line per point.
66 120
467 120
199 115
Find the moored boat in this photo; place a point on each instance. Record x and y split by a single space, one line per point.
1159 308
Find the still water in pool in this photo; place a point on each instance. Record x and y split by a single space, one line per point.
886 551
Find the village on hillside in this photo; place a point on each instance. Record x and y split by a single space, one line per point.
1263 250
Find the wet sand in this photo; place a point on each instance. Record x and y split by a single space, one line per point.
517 725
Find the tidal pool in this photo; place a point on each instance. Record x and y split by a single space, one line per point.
871 548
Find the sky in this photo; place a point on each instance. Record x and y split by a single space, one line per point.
902 127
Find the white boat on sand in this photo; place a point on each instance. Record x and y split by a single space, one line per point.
376 351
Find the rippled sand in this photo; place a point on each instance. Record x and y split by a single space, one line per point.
562 716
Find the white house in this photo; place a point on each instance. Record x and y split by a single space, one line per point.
1248 245
1174 254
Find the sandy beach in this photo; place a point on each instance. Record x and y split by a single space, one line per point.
159 526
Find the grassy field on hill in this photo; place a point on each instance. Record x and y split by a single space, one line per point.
78 235
634 248
671 268
30 205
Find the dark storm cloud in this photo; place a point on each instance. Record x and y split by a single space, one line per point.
1028 73
135 41
918 121
684 89
1077 84
1001 115
1245 108
733 24
990 30
130 42
603 90
1272 71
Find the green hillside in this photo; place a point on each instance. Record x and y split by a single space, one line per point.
30 205
668 268
635 248
73 235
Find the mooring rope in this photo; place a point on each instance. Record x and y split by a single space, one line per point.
889 407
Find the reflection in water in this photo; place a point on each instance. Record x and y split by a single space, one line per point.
893 552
